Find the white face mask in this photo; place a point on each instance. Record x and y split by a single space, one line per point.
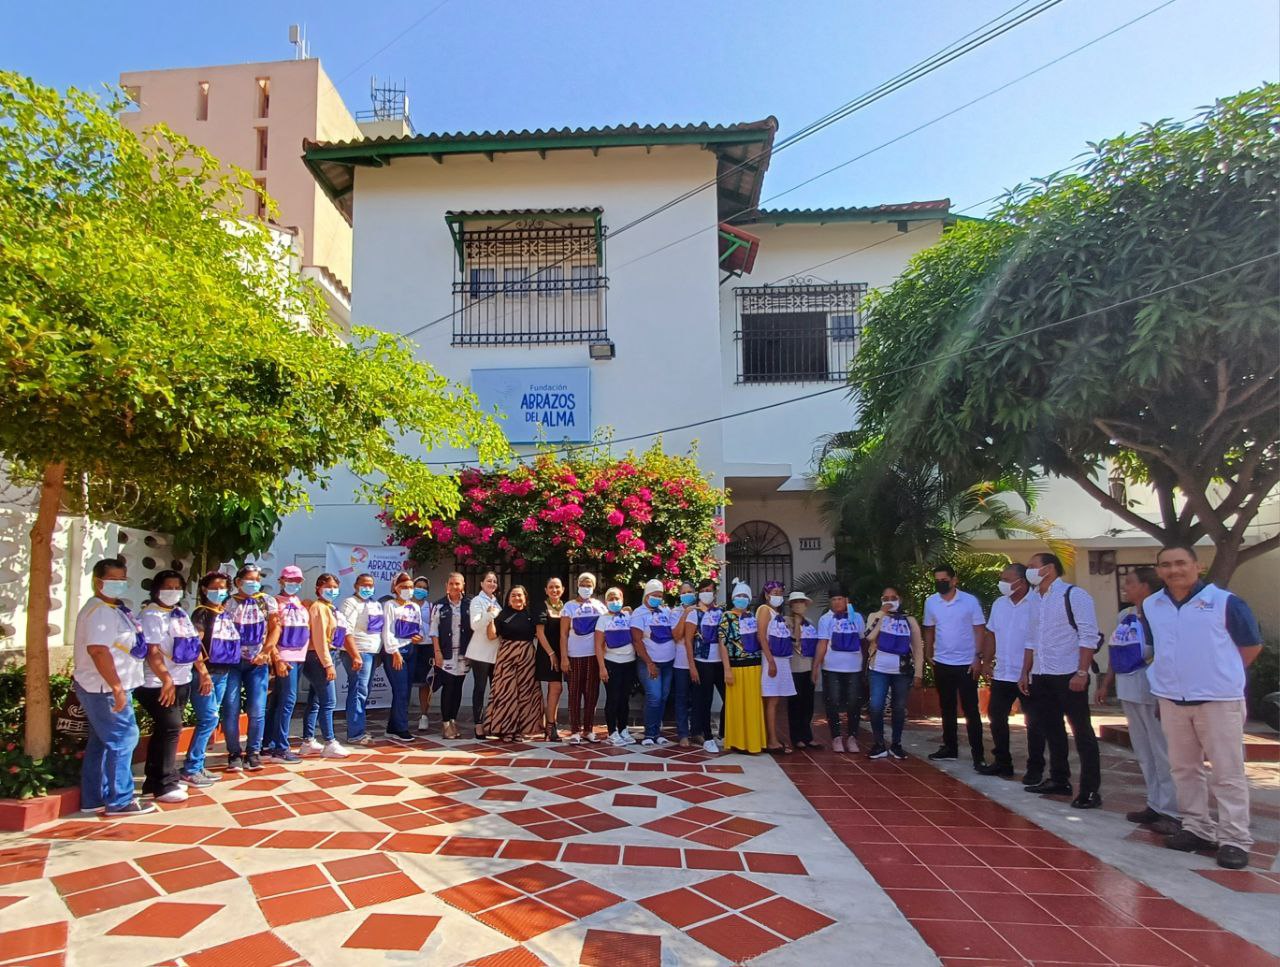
1034 576
169 598
775 601
404 594
584 591
1006 588
706 597
891 605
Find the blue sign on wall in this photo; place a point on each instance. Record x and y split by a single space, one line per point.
551 403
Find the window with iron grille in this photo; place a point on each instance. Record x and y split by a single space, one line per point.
798 333
528 277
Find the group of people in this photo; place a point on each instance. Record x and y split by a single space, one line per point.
1177 664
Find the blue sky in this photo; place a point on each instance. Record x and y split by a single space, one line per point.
497 64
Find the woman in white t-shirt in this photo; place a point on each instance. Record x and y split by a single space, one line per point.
616 664
173 645
896 660
578 657
776 682
482 652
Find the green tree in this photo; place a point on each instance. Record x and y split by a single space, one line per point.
154 339
1124 315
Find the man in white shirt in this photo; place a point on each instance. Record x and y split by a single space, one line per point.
954 629
1006 642
109 650
1055 674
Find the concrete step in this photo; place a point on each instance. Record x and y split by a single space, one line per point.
1257 748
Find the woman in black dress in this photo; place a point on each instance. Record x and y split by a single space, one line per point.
547 665
515 700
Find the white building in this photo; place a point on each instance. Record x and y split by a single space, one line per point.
507 254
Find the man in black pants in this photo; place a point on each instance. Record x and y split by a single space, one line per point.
954 630
1006 643
1055 674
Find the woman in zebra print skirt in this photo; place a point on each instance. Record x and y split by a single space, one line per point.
515 700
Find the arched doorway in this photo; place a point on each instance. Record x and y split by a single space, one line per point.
758 551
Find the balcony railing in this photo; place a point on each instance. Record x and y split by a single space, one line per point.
798 333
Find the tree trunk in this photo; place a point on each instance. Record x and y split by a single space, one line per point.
39 724
1226 558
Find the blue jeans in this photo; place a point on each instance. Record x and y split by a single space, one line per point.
656 690
284 696
207 709
881 683
322 696
398 717
682 686
253 678
106 776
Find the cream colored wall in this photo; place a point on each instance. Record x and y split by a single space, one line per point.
304 105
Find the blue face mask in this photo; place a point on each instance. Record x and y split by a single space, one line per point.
292 588
250 587
420 594
115 589
331 594
216 595
614 606
741 601
365 593
655 601
687 599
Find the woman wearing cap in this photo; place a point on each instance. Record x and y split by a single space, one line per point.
364 618
482 651
804 647
515 701
546 665
744 728
616 666
654 641
219 651
709 664
257 620
896 661
684 674
172 647
290 652
776 682
424 653
328 637
402 631
839 662
579 657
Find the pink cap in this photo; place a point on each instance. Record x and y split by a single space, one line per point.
292 572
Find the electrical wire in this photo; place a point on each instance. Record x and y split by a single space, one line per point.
392 42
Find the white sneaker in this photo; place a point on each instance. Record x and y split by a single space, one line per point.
311 746
710 746
575 739
648 742
173 795
627 737
662 740
364 740
424 724
333 750
616 738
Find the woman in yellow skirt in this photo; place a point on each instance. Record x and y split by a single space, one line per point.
740 648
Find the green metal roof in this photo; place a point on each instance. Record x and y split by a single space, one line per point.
742 151
911 211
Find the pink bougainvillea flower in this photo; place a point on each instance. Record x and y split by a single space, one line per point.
616 518
644 493
625 535
655 560
467 529
503 543
610 556
518 563
530 524
463 550
486 535
601 485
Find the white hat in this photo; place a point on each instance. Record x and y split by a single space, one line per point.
798 596
654 586
741 587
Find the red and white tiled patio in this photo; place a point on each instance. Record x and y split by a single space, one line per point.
478 853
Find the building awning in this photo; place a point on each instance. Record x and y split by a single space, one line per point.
458 220
738 250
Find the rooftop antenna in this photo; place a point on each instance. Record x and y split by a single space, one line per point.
390 102
298 37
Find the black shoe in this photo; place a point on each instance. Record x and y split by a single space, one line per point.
979 765
898 752
1086 800
944 753
1185 841
878 752
1166 826
1051 788
1232 857
405 736
1143 817
252 762
1032 778
235 763
995 769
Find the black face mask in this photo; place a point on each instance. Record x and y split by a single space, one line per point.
942 587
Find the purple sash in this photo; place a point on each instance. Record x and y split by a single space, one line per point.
584 623
618 634
186 643
747 629
808 640
139 649
895 636
844 637
708 633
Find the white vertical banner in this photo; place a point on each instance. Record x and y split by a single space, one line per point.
349 561
379 687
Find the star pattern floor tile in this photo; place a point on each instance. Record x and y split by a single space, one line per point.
319 890
164 919
563 820
417 813
21 863
695 788
708 827
461 780
528 901
575 784
392 931
612 948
